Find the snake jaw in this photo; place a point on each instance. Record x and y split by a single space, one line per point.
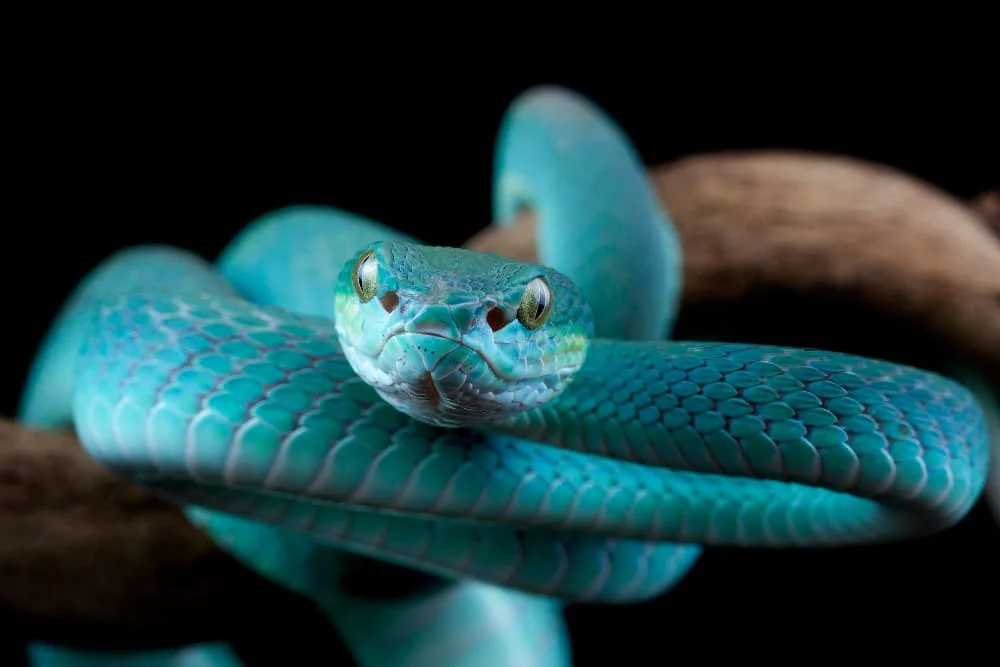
454 377
446 382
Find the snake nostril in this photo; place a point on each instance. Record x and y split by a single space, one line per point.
496 319
389 301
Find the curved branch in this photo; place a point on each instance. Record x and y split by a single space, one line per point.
988 206
767 234
119 567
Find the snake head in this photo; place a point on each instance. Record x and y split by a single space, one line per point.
454 337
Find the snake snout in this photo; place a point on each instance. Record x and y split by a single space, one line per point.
440 380
446 322
433 321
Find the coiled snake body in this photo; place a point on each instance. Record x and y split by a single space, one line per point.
333 386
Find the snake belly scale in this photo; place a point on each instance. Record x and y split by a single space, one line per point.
331 385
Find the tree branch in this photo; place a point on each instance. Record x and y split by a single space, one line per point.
771 237
114 559
988 206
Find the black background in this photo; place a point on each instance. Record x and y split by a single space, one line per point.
115 157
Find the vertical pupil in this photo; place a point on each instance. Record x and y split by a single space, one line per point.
541 300
361 272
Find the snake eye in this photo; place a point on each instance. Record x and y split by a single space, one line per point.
536 304
365 276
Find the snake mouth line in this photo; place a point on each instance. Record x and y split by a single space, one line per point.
427 388
461 343
500 375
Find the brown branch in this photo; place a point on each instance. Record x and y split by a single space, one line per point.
773 240
123 569
988 205
117 565
768 238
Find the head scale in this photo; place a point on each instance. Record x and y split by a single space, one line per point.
454 337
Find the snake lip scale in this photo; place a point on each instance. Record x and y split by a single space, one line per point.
417 334
428 388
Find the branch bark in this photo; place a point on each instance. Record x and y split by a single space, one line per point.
768 234
119 566
779 248
988 206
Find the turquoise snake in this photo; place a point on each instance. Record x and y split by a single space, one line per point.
201 383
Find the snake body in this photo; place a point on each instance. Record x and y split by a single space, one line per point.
576 456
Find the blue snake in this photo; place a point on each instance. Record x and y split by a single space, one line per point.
332 389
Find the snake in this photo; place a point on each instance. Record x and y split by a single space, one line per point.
333 392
